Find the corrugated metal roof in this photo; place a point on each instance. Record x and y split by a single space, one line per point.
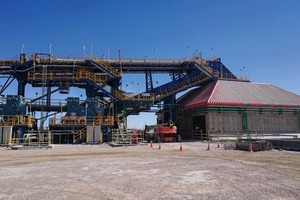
233 93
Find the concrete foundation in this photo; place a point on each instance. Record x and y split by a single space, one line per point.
286 144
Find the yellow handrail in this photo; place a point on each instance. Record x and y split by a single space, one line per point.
184 84
109 68
14 120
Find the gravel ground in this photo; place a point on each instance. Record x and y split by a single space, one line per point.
141 172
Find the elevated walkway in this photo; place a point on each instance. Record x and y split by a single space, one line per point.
181 86
98 81
101 77
16 120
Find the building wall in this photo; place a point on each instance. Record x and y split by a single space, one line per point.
226 122
273 122
264 123
232 121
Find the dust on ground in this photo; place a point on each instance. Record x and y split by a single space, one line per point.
141 172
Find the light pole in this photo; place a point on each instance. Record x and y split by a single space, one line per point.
155 56
108 53
50 50
91 50
84 51
86 107
188 52
145 58
196 54
22 49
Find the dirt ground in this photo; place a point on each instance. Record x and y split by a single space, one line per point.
140 172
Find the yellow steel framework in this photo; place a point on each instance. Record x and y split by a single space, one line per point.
97 121
16 120
184 84
106 65
98 79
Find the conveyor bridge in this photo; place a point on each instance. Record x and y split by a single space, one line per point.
102 78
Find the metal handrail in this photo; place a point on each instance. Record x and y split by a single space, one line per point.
107 66
14 120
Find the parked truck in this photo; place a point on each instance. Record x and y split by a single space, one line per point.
166 132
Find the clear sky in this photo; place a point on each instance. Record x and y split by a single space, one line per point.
255 38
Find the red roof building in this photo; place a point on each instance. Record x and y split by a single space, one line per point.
234 107
232 93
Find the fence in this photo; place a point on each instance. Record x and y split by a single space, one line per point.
130 137
245 134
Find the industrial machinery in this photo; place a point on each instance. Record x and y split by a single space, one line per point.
166 132
105 100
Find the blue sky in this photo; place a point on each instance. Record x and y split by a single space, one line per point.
261 37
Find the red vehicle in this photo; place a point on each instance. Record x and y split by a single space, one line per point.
162 133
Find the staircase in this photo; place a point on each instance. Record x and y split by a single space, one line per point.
183 85
105 67
80 136
204 68
98 81
122 124
113 93
122 135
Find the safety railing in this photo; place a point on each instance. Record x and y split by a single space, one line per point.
141 62
79 134
14 120
96 79
7 63
110 69
130 137
117 93
31 138
181 85
99 80
54 102
97 122
30 141
60 74
142 97
227 76
106 120
82 120
200 135
204 65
